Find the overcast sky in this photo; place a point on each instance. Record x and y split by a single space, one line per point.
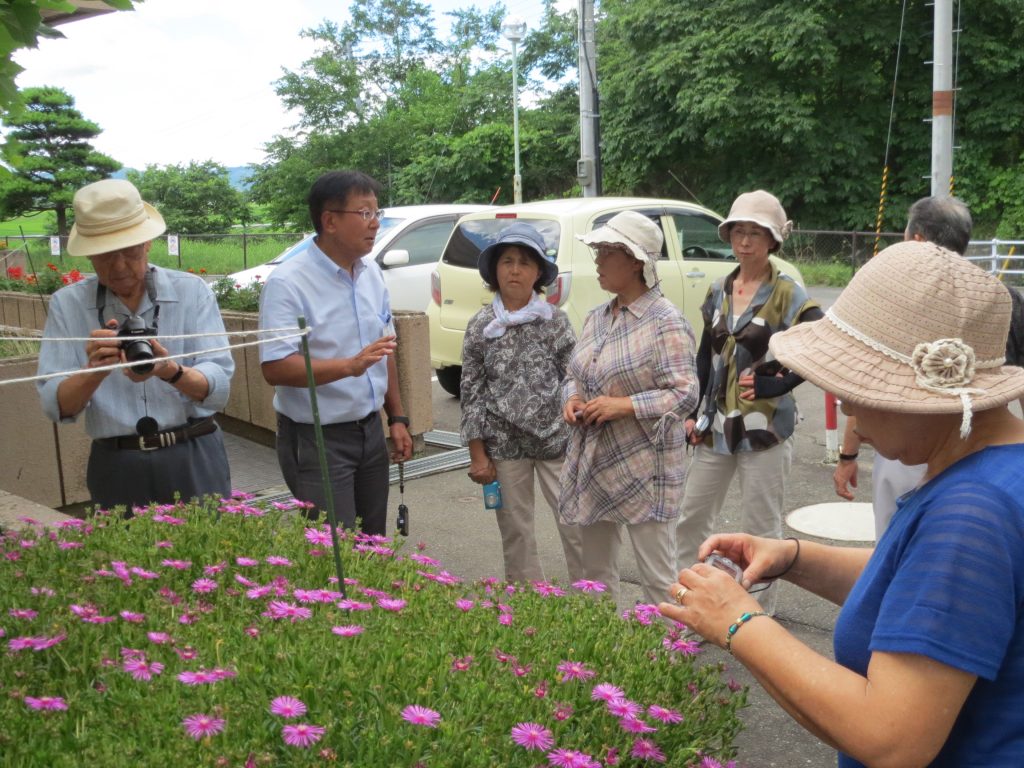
182 80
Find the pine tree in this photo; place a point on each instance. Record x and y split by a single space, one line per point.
51 157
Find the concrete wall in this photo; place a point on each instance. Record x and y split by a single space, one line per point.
38 460
29 449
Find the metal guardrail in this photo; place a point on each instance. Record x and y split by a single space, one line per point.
997 256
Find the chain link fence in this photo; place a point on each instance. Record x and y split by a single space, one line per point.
824 246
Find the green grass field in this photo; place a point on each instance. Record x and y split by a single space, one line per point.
43 223
216 255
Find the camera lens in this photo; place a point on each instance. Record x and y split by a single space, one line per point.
139 350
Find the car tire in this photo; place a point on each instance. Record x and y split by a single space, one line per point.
450 379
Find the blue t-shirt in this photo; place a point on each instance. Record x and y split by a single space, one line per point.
946 581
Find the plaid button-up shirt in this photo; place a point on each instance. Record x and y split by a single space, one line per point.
631 470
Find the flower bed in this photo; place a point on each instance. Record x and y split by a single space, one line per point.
217 635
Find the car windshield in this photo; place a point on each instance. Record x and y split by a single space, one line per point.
387 224
471 237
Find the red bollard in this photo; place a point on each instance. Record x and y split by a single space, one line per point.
831 429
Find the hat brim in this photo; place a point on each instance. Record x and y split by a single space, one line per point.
854 372
723 228
607 236
143 232
485 261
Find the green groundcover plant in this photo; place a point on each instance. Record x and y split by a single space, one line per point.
216 634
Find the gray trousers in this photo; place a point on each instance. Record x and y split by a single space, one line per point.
138 478
357 465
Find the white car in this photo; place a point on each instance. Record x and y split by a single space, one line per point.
409 243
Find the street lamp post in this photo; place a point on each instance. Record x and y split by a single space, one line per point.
514 29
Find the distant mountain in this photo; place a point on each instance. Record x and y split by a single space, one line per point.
238 175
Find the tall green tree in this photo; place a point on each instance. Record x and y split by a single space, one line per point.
193 199
51 157
719 96
431 119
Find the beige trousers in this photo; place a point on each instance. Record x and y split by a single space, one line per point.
763 477
653 545
515 518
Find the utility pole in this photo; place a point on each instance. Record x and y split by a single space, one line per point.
588 167
942 99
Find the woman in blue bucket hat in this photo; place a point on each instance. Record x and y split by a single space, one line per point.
514 359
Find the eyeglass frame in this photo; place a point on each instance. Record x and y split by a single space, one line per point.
366 213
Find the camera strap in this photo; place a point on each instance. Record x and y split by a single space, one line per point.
101 299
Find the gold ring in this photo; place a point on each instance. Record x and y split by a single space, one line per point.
678 597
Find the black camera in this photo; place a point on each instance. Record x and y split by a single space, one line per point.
137 347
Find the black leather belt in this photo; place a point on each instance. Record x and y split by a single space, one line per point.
164 439
356 423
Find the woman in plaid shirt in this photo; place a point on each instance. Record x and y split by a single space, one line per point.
631 382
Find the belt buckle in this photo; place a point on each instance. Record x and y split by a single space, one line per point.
144 447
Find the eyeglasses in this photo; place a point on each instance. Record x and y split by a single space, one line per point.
364 212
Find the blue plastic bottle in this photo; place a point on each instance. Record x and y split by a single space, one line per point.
492 495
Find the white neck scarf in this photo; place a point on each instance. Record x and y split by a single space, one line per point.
537 309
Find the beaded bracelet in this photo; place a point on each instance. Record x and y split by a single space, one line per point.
735 626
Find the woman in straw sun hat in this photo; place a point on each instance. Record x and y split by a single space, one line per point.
630 384
747 413
929 644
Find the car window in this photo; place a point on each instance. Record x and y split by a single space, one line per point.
604 218
424 242
388 223
698 237
471 237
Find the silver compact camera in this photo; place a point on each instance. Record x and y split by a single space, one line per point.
723 563
700 428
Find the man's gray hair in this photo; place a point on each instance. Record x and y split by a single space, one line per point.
945 221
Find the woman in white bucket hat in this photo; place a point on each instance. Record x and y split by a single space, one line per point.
630 384
929 644
747 414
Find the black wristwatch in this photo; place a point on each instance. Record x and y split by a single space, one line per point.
392 420
848 456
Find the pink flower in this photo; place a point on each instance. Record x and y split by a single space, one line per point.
67 545
141 669
246 562
390 603
160 638
606 692
623 708
279 609
133 618
23 613
318 536
586 585
461 664
199 726
302 734
287 706
631 724
347 630
665 715
544 589
418 715
463 605
213 570
645 749
563 712
164 544
532 736
569 758
204 585
45 702
277 560
505 619
354 605
424 560
574 670
179 565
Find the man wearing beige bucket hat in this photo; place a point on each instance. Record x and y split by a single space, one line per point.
929 644
154 436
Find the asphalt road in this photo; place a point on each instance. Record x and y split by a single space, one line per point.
447 512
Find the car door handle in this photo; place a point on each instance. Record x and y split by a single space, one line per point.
695 274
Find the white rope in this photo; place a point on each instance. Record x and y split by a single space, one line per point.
116 366
160 336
